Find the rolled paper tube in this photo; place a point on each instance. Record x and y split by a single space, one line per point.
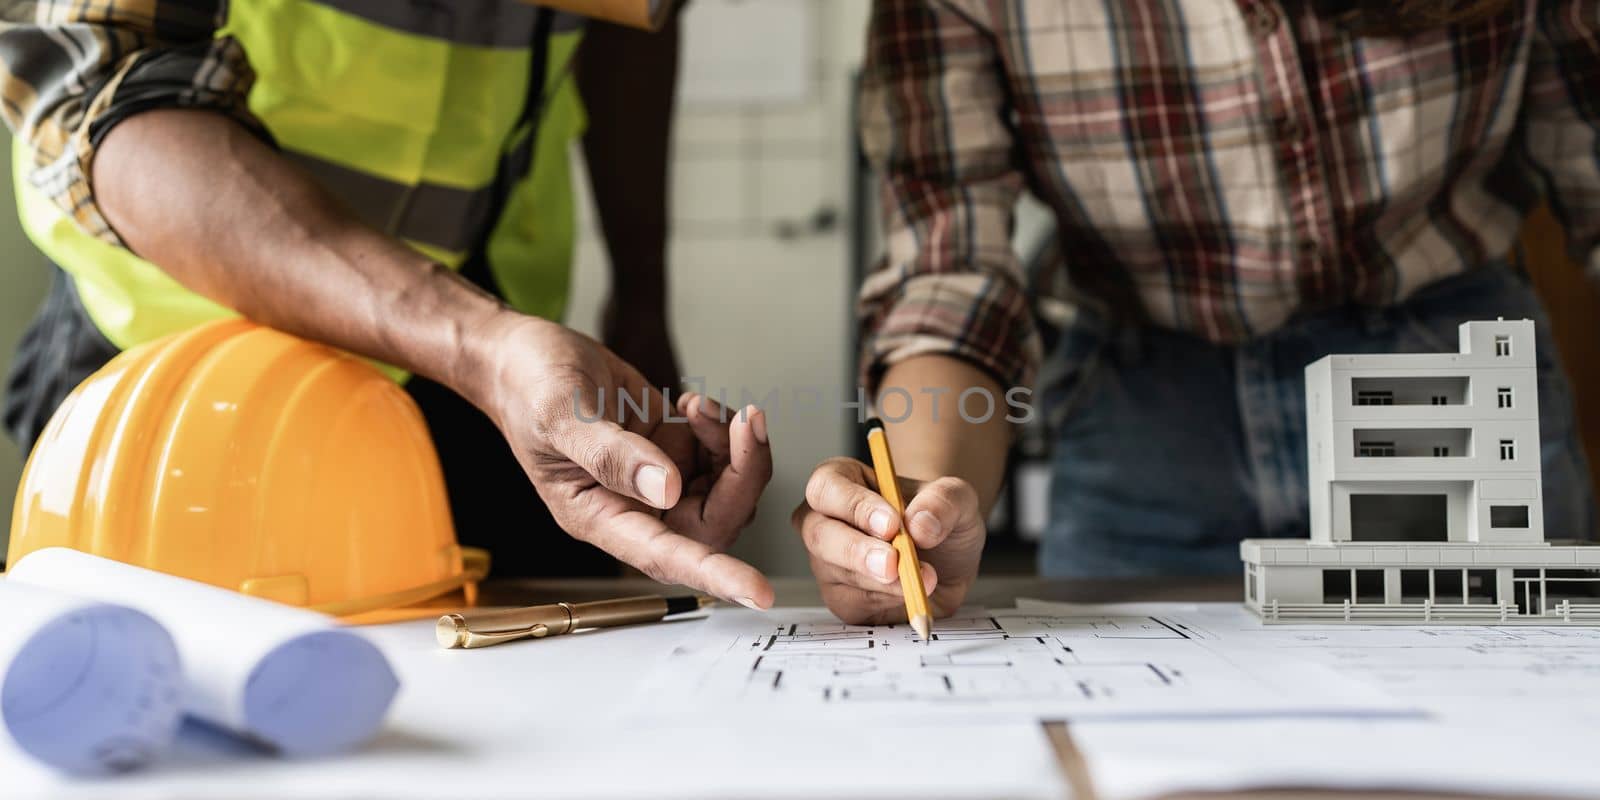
85 687
282 676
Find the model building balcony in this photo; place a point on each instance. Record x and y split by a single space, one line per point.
1413 443
1391 391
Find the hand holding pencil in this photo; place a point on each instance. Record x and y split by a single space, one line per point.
916 596
849 528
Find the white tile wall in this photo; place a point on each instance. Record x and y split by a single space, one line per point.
710 193
750 308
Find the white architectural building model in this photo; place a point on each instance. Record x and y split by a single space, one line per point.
1425 496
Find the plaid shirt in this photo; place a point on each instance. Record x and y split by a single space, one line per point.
71 69
1222 165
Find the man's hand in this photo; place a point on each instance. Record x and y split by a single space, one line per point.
665 497
847 527
232 219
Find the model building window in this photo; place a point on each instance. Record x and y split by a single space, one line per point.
1449 587
1482 587
1338 586
1508 450
1440 400
1441 452
1504 396
1374 398
1508 516
1415 586
1369 586
1374 449
1399 517
1502 345
1570 586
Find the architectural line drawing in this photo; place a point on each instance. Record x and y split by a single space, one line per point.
1065 661
1093 662
1425 496
969 636
1111 627
1442 666
982 662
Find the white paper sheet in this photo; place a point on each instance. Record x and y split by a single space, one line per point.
1130 761
1508 710
803 664
541 719
85 687
1451 672
283 676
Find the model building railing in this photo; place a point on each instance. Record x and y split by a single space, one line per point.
1425 612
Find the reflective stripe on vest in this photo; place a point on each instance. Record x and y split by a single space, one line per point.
401 108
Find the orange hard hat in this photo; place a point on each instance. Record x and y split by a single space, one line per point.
246 458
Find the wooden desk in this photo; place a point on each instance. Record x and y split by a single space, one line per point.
995 592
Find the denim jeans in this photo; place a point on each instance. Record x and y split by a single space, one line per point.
1170 449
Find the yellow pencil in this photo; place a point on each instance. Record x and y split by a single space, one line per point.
910 567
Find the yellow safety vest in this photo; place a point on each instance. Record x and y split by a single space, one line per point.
407 110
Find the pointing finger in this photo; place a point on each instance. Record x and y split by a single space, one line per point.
644 541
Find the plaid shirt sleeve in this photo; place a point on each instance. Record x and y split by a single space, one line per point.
1561 123
934 124
70 70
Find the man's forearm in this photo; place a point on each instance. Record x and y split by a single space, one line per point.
628 79
937 441
235 221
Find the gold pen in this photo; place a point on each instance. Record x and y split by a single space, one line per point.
470 629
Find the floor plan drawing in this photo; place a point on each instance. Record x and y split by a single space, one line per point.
806 662
1443 670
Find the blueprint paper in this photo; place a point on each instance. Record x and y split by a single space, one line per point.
538 719
1452 672
803 663
286 677
1131 761
85 687
1508 710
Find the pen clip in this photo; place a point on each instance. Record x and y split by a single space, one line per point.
485 638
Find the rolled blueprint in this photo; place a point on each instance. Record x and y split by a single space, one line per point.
286 677
85 686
